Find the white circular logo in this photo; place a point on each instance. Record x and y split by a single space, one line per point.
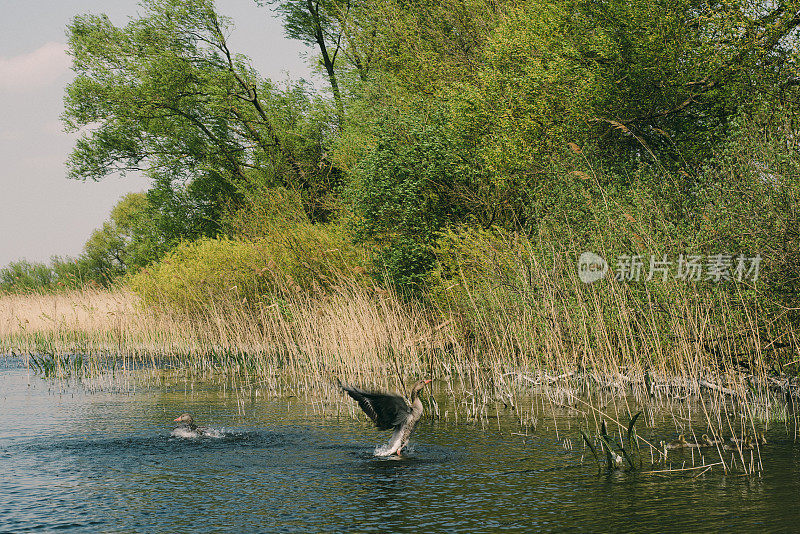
591 267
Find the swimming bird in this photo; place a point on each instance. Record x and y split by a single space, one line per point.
745 443
737 446
390 411
187 428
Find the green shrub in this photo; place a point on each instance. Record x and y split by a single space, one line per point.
223 271
59 275
21 276
405 190
406 263
196 274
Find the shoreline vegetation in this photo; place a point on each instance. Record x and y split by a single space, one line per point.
423 214
498 311
585 348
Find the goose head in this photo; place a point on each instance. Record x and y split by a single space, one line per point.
185 420
417 388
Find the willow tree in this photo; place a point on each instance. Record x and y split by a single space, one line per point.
166 95
522 93
344 32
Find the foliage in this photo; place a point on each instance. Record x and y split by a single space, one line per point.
465 140
523 115
60 274
632 77
128 241
196 273
319 24
22 276
165 94
751 199
278 252
406 189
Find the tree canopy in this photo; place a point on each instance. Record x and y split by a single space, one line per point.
165 95
438 113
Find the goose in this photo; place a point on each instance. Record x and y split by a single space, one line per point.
187 428
705 441
740 444
390 411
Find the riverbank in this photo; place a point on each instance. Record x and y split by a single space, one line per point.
305 344
356 333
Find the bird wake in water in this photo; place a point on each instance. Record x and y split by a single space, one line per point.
385 451
187 429
185 433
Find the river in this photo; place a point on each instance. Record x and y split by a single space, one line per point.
74 459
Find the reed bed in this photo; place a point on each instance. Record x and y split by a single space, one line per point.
518 328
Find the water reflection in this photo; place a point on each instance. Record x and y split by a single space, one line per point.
106 462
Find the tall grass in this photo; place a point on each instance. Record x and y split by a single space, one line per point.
347 332
520 321
506 317
518 303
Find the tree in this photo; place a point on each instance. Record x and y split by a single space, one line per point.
128 241
166 95
490 95
22 276
632 77
315 23
336 28
638 79
406 189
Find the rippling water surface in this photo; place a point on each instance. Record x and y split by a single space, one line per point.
76 461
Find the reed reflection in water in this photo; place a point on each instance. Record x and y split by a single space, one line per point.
105 462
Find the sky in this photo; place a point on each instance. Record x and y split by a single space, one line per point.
42 212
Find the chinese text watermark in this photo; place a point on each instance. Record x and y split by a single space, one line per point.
692 268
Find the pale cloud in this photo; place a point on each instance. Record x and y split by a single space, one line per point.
36 69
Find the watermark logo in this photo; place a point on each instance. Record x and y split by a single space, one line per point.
693 268
591 267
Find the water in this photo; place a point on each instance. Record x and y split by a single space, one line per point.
105 462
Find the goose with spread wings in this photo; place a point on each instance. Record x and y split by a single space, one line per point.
390 411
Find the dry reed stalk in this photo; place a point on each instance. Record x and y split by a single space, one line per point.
540 331
88 310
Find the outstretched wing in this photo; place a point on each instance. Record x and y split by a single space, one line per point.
386 410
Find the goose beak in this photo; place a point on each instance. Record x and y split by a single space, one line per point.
177 419
428 381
